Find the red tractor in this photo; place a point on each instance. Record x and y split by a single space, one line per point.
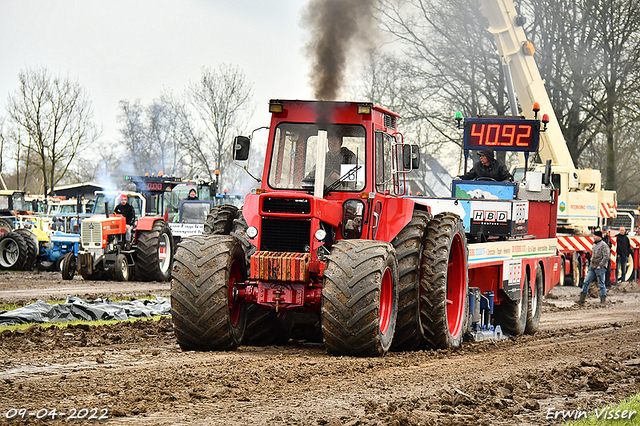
340 247
330 249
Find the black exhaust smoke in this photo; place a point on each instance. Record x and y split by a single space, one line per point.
337 27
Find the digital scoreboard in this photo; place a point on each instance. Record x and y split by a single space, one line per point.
501 134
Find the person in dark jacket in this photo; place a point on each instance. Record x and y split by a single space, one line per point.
597 268
624 248
192 195
126 210
488 167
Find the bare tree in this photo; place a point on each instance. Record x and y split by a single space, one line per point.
222 102
55 115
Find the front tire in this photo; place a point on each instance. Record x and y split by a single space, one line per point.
121 271
69 266
154 253
444 283
360 298
205 315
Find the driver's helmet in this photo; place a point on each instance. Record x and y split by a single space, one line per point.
122 197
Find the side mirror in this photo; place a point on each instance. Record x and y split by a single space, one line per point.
410 157
241 146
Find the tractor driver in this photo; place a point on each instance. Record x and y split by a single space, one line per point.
488 167
125 209
336 156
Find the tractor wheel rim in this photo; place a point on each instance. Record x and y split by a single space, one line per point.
235 307
124 267
456 283
164 252
9 252
386 300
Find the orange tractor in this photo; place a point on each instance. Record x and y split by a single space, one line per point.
106 254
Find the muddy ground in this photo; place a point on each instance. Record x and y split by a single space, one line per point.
582 359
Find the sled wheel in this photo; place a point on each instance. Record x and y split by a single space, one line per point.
154 253
360 298
205 314
564 279
409 245
69 266
444 284
13 251
512 316
535 304
220 219
121 271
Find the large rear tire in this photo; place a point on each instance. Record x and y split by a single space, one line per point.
360 298
534 310
409 245
220 219
205 315
444 284
14 253
154 253
32 247
512 316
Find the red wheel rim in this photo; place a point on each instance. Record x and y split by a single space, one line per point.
456 288
386 300
235 276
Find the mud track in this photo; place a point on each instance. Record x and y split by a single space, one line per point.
584 358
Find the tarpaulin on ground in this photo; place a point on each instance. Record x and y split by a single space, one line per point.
89 310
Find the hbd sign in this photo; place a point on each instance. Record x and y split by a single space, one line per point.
490 216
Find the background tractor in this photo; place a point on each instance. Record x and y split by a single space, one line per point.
105 253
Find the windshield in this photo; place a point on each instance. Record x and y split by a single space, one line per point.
233 199
518 174
19 203
113 200
195 212
293 159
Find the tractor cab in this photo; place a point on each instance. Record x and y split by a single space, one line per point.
337 168
137 201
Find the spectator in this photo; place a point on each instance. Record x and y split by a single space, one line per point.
624 248
597 269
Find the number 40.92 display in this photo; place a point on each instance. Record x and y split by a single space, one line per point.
501 134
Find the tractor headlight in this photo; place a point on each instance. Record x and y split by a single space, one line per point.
252 232
321 234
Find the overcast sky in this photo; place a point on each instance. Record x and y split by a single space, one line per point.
135 49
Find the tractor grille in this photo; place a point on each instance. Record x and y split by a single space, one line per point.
91 234
390 121
285 235
286 205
